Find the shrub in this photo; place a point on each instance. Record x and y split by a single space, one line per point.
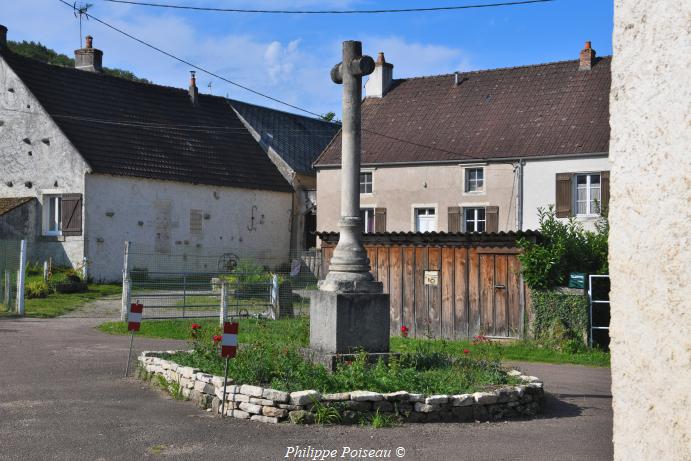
564 247
37 289
560 320
247 278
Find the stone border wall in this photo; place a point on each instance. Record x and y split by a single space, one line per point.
272 406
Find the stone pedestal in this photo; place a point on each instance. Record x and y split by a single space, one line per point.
342 323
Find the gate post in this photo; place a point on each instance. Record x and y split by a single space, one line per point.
21 278
125 284
224 301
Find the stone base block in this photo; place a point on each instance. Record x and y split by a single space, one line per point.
331 361
343 323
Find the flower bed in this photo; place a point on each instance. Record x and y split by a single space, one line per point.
270 405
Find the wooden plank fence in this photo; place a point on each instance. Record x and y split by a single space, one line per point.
479 290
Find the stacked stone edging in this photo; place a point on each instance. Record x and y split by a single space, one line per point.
274 406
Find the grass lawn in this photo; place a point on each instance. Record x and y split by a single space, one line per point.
296 332
57 304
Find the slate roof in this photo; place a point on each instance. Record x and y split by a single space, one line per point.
127 128
530 111
10 203
298 140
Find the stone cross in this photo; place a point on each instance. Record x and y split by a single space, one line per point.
349 271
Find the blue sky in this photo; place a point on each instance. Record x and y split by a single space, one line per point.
289 56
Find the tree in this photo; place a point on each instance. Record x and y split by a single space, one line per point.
39 52
329 117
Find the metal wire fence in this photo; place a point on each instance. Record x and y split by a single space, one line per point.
9 268
219 282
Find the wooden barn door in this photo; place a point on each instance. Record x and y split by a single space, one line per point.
498 309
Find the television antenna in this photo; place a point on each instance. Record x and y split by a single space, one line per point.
81 11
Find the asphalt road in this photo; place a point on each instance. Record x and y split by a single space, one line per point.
62 396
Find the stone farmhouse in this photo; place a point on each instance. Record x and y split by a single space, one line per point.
90 161
478 151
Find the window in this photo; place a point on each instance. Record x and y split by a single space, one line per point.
474 219
367 216
425 220
366 183
587 194
62 215
52 205
474 179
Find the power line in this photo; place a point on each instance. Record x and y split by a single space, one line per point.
263 94
258 93
375 11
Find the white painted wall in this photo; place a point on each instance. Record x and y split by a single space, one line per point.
539 184
51 163
133 200
650 234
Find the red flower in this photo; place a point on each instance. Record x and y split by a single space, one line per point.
217 338
466 351
196 326
404 331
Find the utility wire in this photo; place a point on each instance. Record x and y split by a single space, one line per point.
170 55
378 11
258 93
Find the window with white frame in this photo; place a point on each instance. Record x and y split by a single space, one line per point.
366 182
425 220
474 179
52 205
474 219
367 216
587 194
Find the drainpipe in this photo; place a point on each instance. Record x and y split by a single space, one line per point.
519 196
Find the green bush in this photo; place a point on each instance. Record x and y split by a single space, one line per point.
247 277
564 247
37 289
560 320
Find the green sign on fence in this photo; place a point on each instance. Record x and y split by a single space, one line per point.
576 280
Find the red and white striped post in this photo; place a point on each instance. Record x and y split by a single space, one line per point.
134 320
229 348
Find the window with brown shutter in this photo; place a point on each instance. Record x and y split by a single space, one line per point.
380 220
71 214
492 217
454 219
563 200
604 192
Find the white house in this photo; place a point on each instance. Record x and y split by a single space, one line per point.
108 160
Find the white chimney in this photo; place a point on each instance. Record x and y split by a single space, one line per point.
380 80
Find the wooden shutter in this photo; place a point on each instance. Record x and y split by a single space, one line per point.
454 219
563 196
380 220
492 219
71 214
604 192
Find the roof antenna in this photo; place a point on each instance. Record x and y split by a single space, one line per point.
81 10
209 85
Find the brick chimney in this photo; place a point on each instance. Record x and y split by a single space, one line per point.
89 58
3 36
587 57
194 91
380 81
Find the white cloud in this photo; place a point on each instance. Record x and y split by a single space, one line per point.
413 59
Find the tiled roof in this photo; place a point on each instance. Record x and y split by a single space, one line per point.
530 111
436 238
296 139
126 128
9 204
